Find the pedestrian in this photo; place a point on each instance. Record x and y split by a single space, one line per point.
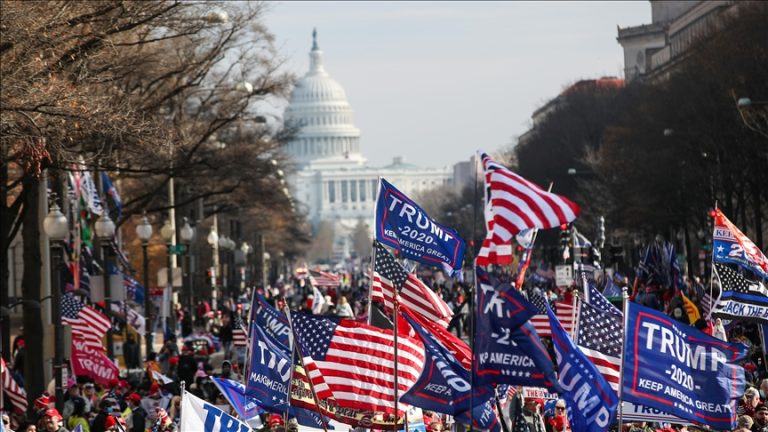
131 353
53 422
137 420
78 416
343 309
559 422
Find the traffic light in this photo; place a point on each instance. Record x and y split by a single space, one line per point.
565 235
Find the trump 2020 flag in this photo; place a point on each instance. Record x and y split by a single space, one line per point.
680 370
199 415
590 400
444 385
508 348
730 245
272 321
269 373
403 225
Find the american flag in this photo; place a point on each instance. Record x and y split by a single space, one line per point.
563 311
599 338
356 361
514 204
520 423
736 288
239 333
87 323
389 276
16 394
594 297
323 279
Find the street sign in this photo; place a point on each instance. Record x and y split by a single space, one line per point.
178 249
563 275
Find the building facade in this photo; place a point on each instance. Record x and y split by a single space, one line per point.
652 50
333 180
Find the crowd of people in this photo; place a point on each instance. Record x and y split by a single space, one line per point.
202 345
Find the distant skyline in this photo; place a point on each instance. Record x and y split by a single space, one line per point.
436 81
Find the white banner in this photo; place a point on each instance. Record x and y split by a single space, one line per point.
200 416
632 413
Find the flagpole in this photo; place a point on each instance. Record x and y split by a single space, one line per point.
712 266
373 250
472 304
625 307
293 359
528 252
395 308
296 347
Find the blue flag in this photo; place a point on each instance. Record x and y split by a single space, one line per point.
269 373
483 416
590 400
444 385
248 409
403 225
680 370
507 348
273 322
611 289
111 191
234 391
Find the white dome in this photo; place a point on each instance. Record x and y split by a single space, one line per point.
318 105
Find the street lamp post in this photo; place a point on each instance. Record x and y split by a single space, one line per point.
213 240
167 232
105 230
187 234
56 228
144 232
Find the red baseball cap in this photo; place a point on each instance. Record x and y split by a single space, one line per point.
53 413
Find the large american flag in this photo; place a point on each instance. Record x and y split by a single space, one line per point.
513 204
87 323
563 311
389 276
354 362
13 391
599 338
323 279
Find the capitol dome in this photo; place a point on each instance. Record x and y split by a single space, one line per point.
318 106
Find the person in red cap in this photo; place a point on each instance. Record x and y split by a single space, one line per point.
163 422
137 417
275 423
52 421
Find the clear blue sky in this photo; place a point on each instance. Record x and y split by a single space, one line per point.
436 81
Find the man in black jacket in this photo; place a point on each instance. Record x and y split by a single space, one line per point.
137 421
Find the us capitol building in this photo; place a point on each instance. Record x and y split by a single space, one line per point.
333 179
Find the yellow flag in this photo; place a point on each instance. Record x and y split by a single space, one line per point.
691 309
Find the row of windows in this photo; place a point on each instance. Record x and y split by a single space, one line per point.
351 190
327 120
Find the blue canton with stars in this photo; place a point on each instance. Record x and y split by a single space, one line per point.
314 334
598 300
600 331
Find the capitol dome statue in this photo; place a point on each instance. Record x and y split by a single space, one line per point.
319 107
333 182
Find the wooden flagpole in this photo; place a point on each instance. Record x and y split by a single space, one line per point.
625 307
297 348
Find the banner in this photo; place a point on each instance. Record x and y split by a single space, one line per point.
403 225
246 407
198 415
679 370
631 412
508 349
740 297
269 372
90 362
273 322
444 385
